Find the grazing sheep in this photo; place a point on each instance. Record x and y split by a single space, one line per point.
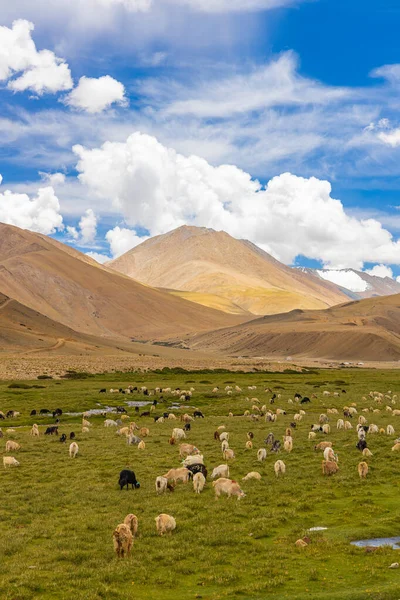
123 540
250 435
141 445
195 459
224 445
132 522
323 445
329 467
279 467
10 445
228 454
340 424
312 435
186 449
127 477
366 452
326 428
199 482
261 454
86 423
176 475
373 428
396 447
362 470
390 430
85 429
73 450
10 461
252 475
178 434
165 524
144 432
229 487
301 543
348 425
249 445
35 430
224 436
110 423
123 431
161 485
329 455
288 444
220 471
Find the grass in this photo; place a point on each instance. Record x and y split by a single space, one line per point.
57 515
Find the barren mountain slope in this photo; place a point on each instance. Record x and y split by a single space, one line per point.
210 263
71 289
362 330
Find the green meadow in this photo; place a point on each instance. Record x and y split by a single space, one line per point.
57 514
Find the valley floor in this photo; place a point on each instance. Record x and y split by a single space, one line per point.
58 514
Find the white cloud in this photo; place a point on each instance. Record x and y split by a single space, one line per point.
276 83
155 188
86 231
345 278
121 240
53 179
380 271
95 95
391 139
222 6
130 5
41 71
40 214
100 258
389 72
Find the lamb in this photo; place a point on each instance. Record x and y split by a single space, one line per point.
165 524
220 471
10 461
199 482
229 487
252 475
177 475
123 540
73 450
261 454
279 467
362 470
10 445
329 467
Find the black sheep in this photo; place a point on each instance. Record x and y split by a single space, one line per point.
305 400
33 413
187 427
63 438
198 414
121 409
298 396
361 445
197 469
127 477
103 391
250 435
276 446
72 435
269 439
44 411
51 430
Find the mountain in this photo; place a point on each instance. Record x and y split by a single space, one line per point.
214 269
74 291
357 284
364 330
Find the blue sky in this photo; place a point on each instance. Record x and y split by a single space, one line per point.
139 105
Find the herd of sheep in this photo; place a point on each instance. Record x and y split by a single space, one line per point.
192 463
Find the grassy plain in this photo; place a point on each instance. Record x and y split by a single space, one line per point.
57 515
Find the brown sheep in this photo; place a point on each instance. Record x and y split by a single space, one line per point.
323 445
165 523
144 432
362 470
329 467
123 540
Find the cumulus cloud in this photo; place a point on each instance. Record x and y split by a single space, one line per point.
157 189
122 239
40 213
380 271
345 278
95 95
100 258
40 71
86 231
392 138
53 179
